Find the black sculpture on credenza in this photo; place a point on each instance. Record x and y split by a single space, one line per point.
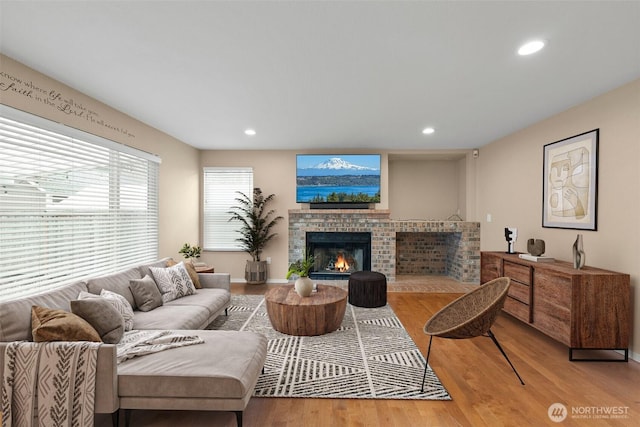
510 234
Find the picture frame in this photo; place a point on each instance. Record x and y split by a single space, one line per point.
570 182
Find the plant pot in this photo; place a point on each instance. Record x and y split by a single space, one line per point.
304 286
255 272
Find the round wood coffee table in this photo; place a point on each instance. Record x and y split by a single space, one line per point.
318 314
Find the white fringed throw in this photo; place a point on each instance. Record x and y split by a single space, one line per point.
140 342
49 384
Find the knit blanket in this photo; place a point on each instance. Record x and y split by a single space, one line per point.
49 384
140 342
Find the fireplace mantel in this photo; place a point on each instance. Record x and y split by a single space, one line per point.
463 255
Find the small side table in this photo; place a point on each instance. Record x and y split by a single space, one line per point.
204 269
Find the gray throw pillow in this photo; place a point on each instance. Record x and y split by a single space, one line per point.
146 293
103 316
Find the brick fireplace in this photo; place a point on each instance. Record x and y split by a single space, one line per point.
450 248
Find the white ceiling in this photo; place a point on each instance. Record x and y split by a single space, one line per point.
329 74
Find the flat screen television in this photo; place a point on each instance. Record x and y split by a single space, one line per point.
338 178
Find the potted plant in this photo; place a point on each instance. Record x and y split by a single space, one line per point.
257 222
190 252
302 268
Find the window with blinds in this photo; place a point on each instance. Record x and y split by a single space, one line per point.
72 205
221 186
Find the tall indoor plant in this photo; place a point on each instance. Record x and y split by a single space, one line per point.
256 224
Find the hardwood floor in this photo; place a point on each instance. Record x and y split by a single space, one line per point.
483 387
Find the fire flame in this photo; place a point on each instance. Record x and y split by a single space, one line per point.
341 264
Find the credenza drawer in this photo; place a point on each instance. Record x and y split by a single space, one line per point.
520 292
517 309
518 272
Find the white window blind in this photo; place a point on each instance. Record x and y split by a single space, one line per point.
72 205
220 192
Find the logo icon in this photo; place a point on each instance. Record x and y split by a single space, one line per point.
557 412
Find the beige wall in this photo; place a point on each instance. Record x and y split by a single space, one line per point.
424 189
509 187
27 90
274 172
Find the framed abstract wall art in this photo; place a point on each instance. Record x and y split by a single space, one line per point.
570 182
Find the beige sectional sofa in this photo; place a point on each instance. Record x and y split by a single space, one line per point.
218 375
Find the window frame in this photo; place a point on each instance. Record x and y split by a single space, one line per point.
218 233
97 210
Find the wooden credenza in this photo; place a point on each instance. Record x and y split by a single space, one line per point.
583 309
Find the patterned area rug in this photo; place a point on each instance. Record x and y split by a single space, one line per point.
369 356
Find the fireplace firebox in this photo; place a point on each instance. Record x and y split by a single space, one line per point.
338 254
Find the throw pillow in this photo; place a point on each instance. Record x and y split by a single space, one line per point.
103 316
146 293
193 274
116 282
49 324
174 282
191 269
122 305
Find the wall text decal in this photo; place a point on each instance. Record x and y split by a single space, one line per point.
55 99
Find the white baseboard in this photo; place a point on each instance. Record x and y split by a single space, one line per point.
242 280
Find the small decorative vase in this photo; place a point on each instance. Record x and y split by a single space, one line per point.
535 247
304 286
578 253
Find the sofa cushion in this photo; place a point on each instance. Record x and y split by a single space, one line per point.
58 325
213 300
118 283
122 305
172 317
15 315
226 366
162 263
103 316
174 282
146 293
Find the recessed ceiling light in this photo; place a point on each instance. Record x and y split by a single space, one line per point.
428 131
250 132
531 47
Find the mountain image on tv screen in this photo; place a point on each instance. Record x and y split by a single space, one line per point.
343 178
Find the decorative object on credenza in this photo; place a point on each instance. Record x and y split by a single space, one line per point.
534 258
255 231
535 247
578 253
510 234
570 182
301 268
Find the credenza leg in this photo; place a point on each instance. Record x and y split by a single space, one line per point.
590 359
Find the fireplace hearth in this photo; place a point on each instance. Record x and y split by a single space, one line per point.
338 254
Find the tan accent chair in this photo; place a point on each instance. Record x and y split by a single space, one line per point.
469 316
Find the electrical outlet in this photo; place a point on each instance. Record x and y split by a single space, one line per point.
268 260
489 218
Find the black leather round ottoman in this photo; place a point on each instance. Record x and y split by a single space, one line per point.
367 289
